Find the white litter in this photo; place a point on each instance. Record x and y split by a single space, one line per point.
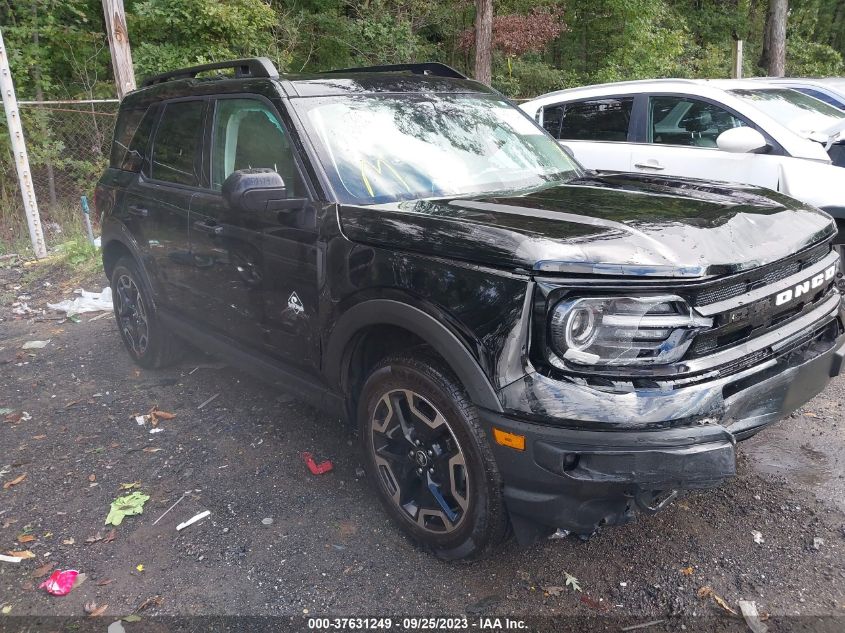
158 429
85 302
758 537
749 611
192 520
10 559
35 344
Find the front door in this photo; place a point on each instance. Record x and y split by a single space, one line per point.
258 269
681 141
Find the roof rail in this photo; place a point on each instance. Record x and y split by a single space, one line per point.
250 67
434 69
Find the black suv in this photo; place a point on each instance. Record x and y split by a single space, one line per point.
522 344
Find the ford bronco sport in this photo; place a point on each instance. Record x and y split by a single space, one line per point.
522 344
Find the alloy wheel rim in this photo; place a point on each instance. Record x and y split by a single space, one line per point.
131 314
419 461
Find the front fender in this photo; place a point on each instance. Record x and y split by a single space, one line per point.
432 331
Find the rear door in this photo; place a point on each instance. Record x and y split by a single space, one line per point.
158 200
596 130
680 140
258 270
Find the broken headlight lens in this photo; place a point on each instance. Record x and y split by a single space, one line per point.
624 330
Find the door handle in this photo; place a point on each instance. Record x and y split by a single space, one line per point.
207 227
141 212
651 165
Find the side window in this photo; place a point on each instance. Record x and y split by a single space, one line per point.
177 149
597 120
124 131
247 133
688 122
552 118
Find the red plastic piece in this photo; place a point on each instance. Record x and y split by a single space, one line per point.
315 468
60 582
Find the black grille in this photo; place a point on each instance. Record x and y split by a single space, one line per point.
763 276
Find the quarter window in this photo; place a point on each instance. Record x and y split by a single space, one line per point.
248 134
596 120
689 122
177 150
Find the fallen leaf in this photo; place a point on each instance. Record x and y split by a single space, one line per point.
132 618
572 581
152 449
22 554
149 602
103 583
110 536
707 592
810 414
554 591
68 541
39 437
130 486
92 477
94 539
139 568
6 610
26 538
162 415
44 570
14 482
687 571
94 610
8 522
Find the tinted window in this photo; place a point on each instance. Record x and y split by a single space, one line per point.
552 118
247 133
597 120
124 131
178 144
689 122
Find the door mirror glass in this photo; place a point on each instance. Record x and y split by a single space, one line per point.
254 190
741 140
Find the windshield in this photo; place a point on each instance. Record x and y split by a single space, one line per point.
378 148
799 112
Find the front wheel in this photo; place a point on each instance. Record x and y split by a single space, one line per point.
148 341
428 458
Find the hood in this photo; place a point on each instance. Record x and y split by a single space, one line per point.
828 135
615 224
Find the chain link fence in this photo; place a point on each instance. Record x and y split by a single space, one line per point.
68 143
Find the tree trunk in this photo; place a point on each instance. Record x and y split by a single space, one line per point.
484 41
773 59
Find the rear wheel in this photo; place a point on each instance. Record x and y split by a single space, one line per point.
428 458
148 341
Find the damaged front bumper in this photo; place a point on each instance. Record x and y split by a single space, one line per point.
579 471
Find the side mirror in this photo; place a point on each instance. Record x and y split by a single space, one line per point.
259 189
741 140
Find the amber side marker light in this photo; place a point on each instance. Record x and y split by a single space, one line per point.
511 440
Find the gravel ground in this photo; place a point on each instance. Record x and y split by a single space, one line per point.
329 549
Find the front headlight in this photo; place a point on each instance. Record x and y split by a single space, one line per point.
624 330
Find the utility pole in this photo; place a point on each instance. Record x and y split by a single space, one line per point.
121 53
10 103
736 70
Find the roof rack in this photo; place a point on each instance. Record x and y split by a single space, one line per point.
251 67
432 69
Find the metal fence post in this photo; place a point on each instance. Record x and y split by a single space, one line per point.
13 120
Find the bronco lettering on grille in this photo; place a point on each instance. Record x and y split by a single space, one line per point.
805 286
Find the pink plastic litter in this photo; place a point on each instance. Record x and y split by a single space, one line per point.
60 582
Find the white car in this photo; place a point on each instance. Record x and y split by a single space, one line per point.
729 130
831 90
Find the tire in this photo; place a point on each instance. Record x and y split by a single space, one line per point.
439 443
149 343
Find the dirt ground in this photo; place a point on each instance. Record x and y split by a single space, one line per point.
281 541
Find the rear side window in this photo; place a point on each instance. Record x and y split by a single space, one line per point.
597 120
131 133
177 150
552 119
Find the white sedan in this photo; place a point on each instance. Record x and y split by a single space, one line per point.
729 130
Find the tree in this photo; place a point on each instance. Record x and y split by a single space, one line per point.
773 58
484 41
